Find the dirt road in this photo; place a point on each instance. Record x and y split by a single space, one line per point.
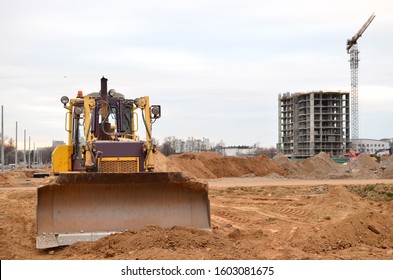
252 218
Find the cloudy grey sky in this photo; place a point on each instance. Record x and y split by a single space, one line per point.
216 67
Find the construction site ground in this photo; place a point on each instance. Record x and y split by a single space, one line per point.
261 208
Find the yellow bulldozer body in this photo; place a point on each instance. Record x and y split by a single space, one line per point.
61 158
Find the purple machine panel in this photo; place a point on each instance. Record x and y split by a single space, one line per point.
121 149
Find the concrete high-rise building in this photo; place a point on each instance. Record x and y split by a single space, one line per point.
313 122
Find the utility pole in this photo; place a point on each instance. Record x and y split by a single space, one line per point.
29 155
24 149
2 138
16 145
352 49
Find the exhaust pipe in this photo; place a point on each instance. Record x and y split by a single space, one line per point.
104 88
105 126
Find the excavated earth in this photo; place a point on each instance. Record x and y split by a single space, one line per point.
261 208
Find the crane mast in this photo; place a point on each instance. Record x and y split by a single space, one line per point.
352 49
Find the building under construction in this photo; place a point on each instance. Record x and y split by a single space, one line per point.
313 122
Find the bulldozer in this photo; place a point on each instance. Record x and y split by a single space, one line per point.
106 182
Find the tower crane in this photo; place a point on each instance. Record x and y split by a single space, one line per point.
352 49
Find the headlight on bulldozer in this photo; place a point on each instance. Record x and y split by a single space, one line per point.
111 92
64 100
155 111
78 110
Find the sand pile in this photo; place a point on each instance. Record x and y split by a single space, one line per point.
363 161
6 178
189 163
338 203
160 162
236 167
387 167
363 167
318 167
355 231
387 162
285 163
210 165
156 243
347 221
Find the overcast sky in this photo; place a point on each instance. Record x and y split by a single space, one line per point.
216 67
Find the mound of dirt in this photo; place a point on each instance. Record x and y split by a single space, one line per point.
338 203
356 231
160 162
7 178
347 221
153 242
192 164
387 162
236 167
387 167
319 167
363 167
363 161
210 165
285 163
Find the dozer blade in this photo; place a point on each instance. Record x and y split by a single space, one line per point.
88 206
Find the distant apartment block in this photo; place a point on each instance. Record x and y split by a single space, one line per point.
313 122
373 146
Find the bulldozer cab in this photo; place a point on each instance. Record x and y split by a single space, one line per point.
96 123
106 181
90 126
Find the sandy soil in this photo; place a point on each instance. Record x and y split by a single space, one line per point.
253 217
